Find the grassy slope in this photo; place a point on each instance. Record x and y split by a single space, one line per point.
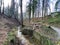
54 20
45 35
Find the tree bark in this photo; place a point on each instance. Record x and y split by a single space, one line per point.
21 14
3 8
0 5
42 9
33 11
30 12
0 10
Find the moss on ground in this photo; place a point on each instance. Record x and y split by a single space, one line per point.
43 41
11 35
54 20
39 39
48 31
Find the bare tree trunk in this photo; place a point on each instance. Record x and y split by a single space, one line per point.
0 5
30 12
3 7
0 10
33 11
8 9
42 9
21 14
38 8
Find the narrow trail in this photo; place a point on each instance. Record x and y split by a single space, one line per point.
24 41
57 30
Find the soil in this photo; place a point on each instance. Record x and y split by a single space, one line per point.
6 24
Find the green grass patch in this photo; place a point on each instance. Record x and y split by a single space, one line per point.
48 31
11 35
53 20
43 41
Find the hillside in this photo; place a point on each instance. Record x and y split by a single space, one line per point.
6 25
45 30
54 20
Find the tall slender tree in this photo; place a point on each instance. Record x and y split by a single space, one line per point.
45 7
29 10
16 9
3 7
38 6
21 21
0 5
12 8
34 7
8 10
